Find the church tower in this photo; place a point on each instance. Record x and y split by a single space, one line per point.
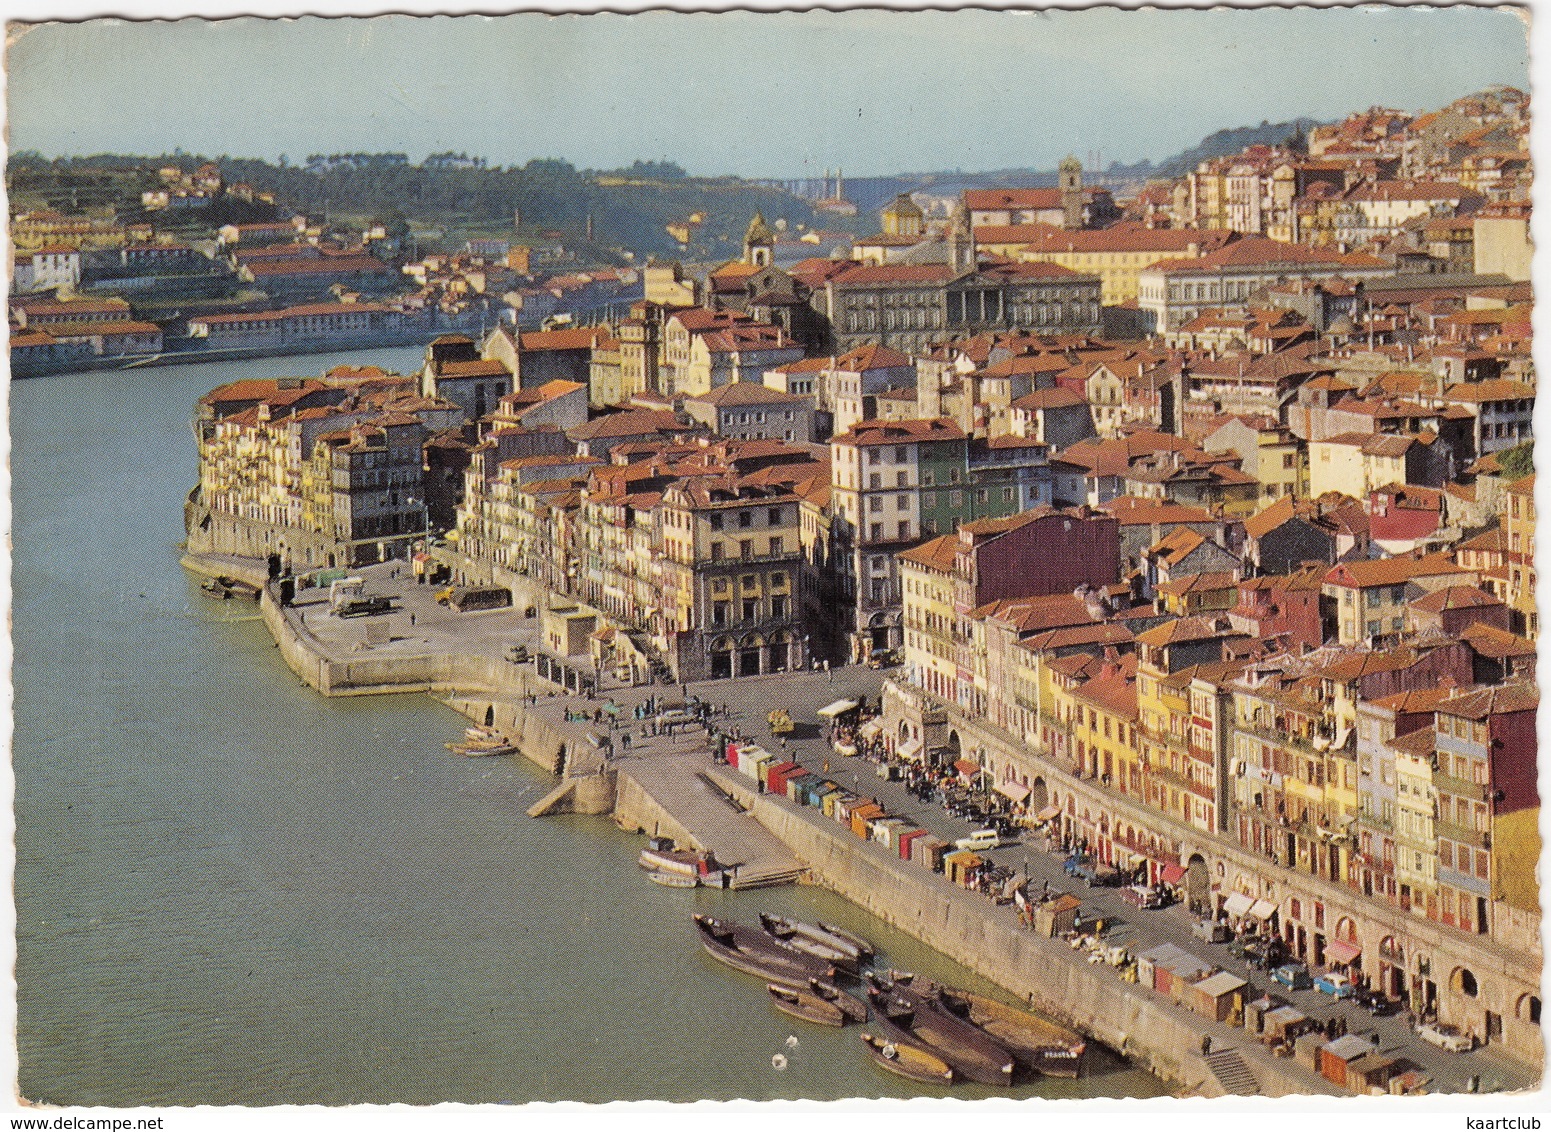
758 243
1071 194
961 242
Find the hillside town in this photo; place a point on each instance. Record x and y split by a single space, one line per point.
1195 523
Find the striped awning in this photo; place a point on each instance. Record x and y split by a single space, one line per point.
966 768
1047 813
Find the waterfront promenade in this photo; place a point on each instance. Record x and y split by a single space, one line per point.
670 769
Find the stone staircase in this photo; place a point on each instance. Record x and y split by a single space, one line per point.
1236 1078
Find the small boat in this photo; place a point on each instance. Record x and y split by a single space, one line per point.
908 1060
1038 1044
849 1005
806 938
863 949
754 953
672 880
806 1005
821 935
969 1050
475 750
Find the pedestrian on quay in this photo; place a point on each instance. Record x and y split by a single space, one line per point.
1206 1044
624 741
411 619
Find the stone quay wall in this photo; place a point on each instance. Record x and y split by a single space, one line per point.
1163 1038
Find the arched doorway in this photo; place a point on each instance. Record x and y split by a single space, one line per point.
1198 885
1039 796
780 657
721 658
749 654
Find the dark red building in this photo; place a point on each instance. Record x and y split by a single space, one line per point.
1044 551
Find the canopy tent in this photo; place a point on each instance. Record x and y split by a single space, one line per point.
1237 904
1263 910
838 708
1342 953
1012 791
1172 874
1047 813
910 750
871 729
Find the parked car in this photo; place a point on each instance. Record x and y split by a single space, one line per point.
883 658
1334 983
1374 1003
1444 1036
1140 896
980 840
1095 873
1293 976
517 654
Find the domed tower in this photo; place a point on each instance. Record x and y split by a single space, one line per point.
903 217
758 243
1071 194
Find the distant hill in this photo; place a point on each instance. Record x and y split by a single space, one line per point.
1220 144
629 208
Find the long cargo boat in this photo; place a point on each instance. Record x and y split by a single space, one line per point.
1039 1045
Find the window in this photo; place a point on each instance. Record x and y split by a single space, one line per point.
745 518
777 580
904 529
902 502
719 612
775 516
1289 461
899 454
901 479
716 522
750 609
778 607
927 478
875 503
716 552
746 548
875 480
877 532
776 546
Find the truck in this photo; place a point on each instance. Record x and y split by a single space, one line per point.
342 590
467 598
363 606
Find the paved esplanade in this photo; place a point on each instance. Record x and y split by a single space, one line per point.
747 701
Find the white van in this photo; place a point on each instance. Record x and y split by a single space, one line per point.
979 840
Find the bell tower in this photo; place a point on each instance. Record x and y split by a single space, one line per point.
961 241
758 243
1071 194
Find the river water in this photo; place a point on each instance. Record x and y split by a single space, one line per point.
230 890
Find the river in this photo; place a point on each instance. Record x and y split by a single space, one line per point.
230 890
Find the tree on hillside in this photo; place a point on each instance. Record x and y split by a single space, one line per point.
1517 462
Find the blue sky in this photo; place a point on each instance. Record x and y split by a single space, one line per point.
760 94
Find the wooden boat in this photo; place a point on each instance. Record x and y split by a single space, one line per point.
672 880
806 1005
908 1059
820 936
851 1006
808 939
475 750
1038 1044
863 949
969 1050
754 953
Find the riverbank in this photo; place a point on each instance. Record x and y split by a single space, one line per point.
1142 1026
417 338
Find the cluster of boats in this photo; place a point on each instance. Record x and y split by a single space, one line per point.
227 588
482 741
929 1032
